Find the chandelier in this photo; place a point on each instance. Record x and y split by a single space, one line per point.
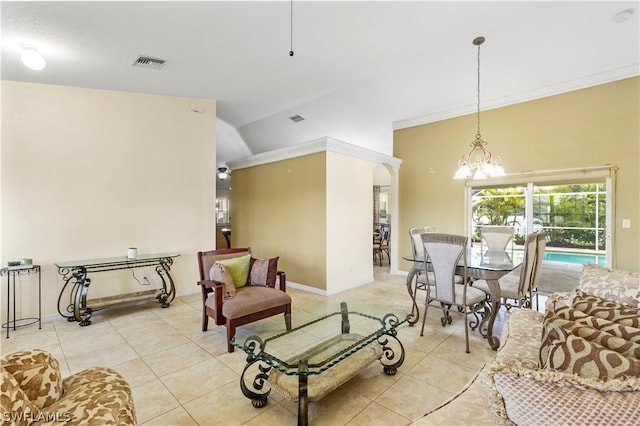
478 163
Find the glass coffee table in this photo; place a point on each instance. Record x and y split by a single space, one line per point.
333 342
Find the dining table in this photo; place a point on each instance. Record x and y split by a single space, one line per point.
482 264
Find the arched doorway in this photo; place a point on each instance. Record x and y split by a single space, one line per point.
385 207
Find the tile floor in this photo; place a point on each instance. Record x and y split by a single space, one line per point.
183 376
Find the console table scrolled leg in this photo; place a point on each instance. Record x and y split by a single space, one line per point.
167 294
81 312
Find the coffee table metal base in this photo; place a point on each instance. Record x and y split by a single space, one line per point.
387 349
259 376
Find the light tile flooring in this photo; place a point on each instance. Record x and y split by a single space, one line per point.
183 376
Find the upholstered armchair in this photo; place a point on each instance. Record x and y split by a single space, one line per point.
238 289
33 392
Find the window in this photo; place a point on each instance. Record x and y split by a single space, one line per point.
222 211
574 208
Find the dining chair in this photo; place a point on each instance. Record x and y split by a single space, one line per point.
418 253
515 286
382 246
444 252
496 237
541 245
417 248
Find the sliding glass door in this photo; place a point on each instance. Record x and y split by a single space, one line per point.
576 215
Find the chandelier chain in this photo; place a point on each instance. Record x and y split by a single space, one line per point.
478 99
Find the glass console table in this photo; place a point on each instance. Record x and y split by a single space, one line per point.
76 283
334 344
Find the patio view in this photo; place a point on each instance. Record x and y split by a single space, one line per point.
573 216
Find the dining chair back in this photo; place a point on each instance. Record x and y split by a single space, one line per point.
528 267
496 237
514 286
444 252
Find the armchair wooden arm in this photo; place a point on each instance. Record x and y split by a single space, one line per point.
217 288
282 280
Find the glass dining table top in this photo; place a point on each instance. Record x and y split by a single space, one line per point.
492 260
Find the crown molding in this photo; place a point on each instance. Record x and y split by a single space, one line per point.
314 146
531 95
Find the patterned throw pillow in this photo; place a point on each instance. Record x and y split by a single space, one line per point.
628 333
221 274
611 284
263 272
596 306
239 269
552 332
589 360
38 375
556 326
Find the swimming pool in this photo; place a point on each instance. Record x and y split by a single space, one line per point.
577 258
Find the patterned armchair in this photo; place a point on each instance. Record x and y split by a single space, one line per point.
33 392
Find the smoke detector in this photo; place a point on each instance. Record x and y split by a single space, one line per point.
148 62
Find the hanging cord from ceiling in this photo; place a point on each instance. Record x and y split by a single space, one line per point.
291 28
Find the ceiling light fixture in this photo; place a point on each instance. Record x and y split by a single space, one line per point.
31 58
479 163
223 173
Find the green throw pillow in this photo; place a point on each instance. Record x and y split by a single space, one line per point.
239 269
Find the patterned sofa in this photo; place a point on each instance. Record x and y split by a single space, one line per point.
33 392
577 364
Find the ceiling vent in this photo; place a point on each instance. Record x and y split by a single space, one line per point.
296 118
148 62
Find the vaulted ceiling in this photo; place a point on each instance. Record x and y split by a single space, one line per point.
359 69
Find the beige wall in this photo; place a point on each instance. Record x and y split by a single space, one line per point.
598 125
314 211
87 173
279 209
349 221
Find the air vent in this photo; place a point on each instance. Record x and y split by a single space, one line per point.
148 62
296 118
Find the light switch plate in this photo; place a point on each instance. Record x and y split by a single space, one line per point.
626 223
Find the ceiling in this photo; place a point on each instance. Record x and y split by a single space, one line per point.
360 69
